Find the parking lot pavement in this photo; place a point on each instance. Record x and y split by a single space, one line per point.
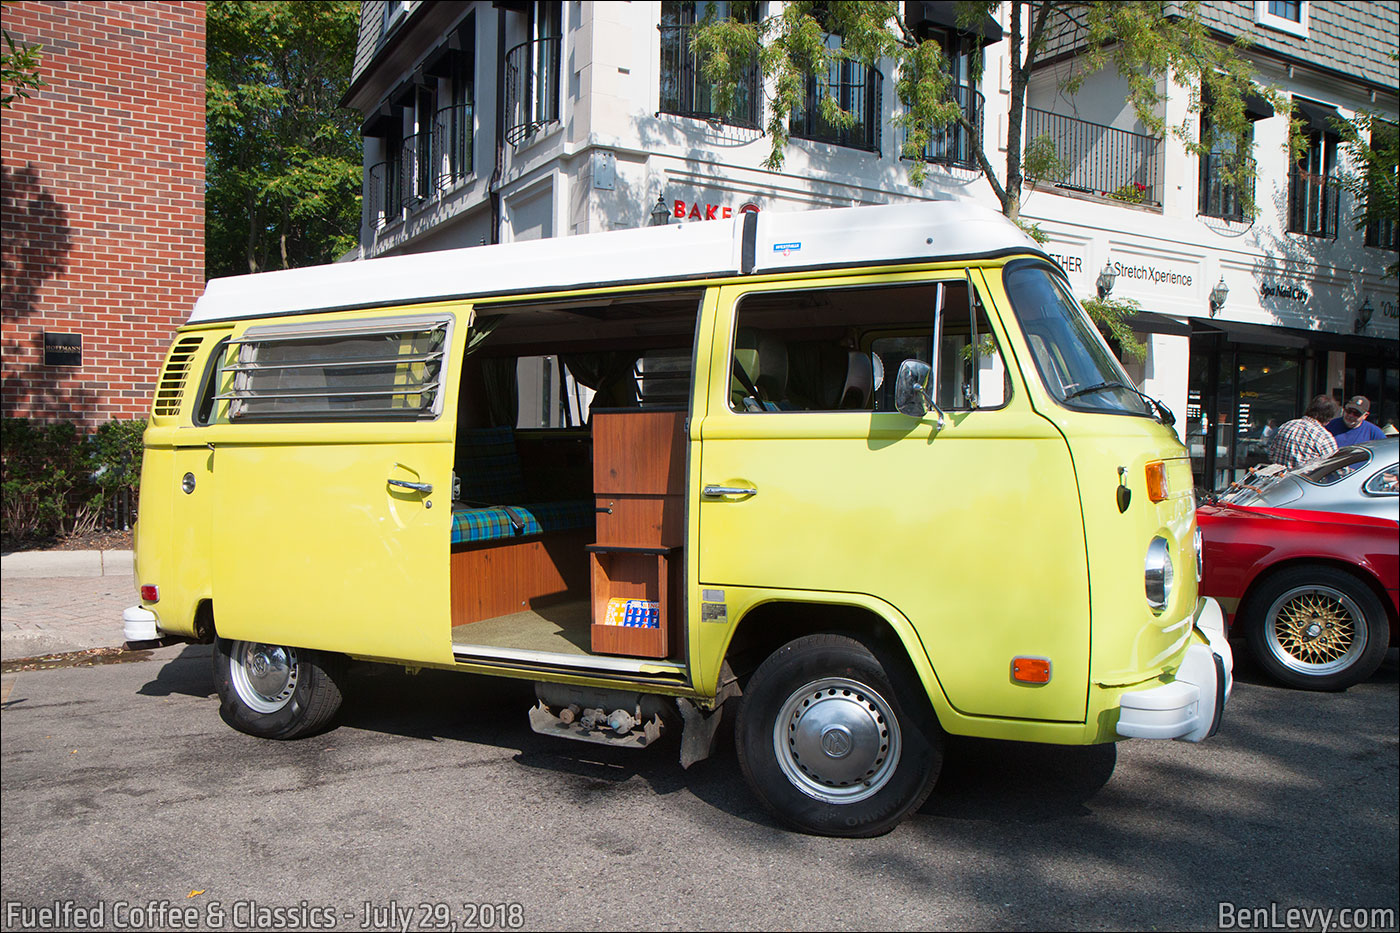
431 803
58 601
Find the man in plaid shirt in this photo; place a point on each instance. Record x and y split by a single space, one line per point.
1307 438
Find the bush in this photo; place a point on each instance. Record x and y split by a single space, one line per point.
57 481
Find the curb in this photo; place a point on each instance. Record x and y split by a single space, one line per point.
50 564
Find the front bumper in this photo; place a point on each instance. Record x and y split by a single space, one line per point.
140 624
1190 707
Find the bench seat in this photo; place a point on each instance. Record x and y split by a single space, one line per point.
477 524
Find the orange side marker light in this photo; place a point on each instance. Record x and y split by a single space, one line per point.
1030 670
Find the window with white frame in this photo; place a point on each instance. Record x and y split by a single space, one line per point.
1289 16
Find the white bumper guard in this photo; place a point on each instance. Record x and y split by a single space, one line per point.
1190 707
139 624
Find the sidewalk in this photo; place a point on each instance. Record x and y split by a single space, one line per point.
56 601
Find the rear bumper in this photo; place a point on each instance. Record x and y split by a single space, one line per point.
140 624
1190 707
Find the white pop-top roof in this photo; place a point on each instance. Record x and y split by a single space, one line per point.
935 230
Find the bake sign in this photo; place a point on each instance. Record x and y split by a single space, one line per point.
686 210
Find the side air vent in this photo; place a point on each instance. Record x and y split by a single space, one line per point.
172 382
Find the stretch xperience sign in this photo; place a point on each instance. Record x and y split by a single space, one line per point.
1153 275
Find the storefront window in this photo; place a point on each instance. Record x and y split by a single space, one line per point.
1269 388
1236 398
1378 381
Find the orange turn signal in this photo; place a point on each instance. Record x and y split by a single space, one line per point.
1031 670
1156 481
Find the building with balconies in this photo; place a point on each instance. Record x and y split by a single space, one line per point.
494 122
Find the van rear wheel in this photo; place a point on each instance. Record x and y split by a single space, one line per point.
826 744
276 691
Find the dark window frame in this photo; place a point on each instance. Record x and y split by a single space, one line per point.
1221 200
1313 194
682 92
807 123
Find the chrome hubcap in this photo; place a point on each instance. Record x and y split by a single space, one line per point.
837 740
1316 630
264 676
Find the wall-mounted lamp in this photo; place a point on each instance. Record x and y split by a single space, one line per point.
1218 294
1105 280
1363 315
660 214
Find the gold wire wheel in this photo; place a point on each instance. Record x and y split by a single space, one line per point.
1315 629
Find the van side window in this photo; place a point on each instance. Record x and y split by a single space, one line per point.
839 349
971 371
386 369
209 389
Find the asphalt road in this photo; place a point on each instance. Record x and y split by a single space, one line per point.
123 793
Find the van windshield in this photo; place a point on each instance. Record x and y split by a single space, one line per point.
1074 363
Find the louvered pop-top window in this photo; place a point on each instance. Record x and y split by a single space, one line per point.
388 369
171 389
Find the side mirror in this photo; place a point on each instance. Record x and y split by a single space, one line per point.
911 390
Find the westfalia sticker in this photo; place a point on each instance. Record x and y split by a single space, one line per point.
787 249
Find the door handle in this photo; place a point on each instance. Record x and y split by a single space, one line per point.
715 492
425 488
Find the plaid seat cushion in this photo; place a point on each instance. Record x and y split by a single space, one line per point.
491 523
489 466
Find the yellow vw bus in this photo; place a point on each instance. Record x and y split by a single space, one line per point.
861 477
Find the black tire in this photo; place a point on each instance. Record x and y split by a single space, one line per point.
274 691
827 703
1316 628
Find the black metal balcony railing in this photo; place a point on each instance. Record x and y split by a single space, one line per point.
414 170
1099 159
856 90
423 166
1313 204
1381 233
452 146
532 88
686 93
952 144
1219 199
383 194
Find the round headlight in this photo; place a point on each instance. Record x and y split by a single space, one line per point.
1158 574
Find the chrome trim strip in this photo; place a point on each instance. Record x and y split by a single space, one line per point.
585 662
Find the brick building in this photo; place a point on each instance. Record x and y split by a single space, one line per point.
103 205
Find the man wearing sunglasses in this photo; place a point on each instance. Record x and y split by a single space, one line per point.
1352 427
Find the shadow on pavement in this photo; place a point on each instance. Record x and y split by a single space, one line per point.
186 674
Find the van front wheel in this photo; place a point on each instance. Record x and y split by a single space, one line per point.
274 691
826 745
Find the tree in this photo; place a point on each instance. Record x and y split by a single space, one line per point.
19 70
1147 47
1373 150
1142 42
284 163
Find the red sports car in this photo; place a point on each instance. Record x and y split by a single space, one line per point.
1316 593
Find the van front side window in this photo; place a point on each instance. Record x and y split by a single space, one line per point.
390 369
1074 363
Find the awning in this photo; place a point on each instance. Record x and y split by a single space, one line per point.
1319 118
943 14
384 121
1148 322
1257 108
439 62
1297 338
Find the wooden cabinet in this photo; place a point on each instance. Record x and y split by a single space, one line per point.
638 486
